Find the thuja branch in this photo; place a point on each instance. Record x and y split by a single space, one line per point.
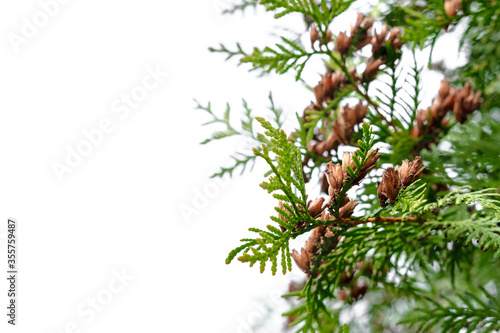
406 224
383 219
286 183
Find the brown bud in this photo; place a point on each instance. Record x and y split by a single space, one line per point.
418 128
343 127
367 23
319 92
368 166
409 172
397 43
395 33
328 36
327 84
459 112
315 207
335 179
388 188
465 90
343 43
444 89
358 111
380 38
302 260
324 216
449 101
347 161
357 24
337 78
314 34
449 8
372 68
324 183
348 209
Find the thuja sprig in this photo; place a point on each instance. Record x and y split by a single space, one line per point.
287 170
354 168
476 312
322 12
241 6
289 54
487 198
286 183
241 158
347 257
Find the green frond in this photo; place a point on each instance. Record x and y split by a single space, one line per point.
474 312
410 200
286 56
241 6
322 12
487 198
241 159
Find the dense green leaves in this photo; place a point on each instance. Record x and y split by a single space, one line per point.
420 253
474 311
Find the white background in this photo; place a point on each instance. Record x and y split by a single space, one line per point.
120 208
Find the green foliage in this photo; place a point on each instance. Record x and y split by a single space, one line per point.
322 12
241 6
287 184
439 241
475 312
400 101
360 158
487 198
411 200
288 55
468 154
241 159
287 170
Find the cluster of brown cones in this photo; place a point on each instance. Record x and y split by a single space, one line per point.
314 35
397 179
336 175
461 102
360 36
328 86
333 82
342 129
313 246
